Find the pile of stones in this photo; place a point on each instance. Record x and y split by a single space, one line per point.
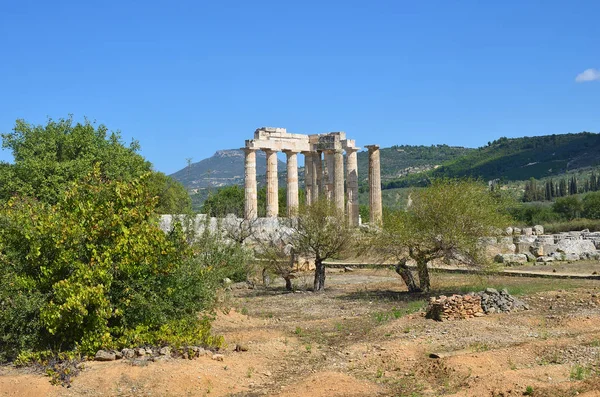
493 301
478 304
454 307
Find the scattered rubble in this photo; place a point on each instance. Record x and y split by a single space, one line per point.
531 245
493 301
142 354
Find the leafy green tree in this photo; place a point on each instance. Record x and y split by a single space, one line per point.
173 198
445 221
47 158
227 200
591 206
323 232
568 207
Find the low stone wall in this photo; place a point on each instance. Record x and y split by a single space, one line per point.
478 304
454 307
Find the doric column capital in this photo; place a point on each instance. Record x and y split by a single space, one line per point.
372 148
291 151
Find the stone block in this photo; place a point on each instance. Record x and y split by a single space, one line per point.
525 239
523 248
538 230
545 259
576 246
527 231
511 259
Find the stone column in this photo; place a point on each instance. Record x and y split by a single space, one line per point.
317 171
328 175
374 185
308 172
272 185
292 183
338 179
250 199
352 182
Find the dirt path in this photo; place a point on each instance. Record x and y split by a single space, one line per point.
365 337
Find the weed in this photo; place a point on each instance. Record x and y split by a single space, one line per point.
249 372
479 347
379 373
244 311
579 372
528 391
308 348
298 331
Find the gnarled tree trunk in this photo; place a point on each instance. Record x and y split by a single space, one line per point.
423 274
319 284
407 276
288 283
266 277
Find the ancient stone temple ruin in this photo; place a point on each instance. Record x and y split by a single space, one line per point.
324 171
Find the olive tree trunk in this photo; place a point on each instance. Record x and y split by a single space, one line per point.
423 275
319 284
407 276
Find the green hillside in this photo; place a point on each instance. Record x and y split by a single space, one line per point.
527 157
401 160
518 159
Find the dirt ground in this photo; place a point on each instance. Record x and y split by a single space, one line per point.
366 336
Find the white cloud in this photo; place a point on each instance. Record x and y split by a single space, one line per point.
588 75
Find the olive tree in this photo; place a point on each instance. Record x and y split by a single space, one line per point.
277 255
322 231
445 221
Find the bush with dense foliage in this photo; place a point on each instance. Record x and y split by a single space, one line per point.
94 270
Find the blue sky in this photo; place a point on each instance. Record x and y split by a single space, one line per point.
187 78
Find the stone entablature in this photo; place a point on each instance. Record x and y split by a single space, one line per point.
324 171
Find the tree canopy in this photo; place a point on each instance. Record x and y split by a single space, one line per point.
445 221
47 158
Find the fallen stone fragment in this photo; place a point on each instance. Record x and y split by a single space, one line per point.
218 357
103 355
128 353
241 348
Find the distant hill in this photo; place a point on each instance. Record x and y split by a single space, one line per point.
401 160
224 168
523 158
514 159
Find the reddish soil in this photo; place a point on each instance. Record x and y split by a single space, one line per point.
365 337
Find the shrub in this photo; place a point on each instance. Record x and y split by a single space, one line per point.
95 271
534 214
591 205
567 207
576 224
